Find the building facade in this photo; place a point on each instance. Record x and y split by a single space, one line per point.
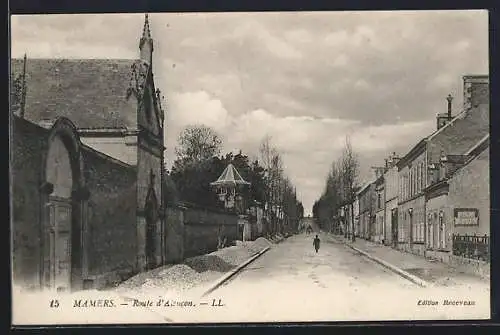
391 201
411 201
356 216
366 197
433 159
470 195
458 207
87 169
379 232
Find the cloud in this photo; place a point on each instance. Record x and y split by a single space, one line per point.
198 107
381 138
307 78
276 46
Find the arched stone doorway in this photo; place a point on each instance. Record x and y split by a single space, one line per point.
63 210
151 214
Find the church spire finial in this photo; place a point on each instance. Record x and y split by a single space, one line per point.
146 32
146 42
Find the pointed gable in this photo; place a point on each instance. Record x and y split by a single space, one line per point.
92 93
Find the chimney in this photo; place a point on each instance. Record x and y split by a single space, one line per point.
449 98
476 90
395 159
444 118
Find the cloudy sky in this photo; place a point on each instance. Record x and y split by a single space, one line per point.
306 79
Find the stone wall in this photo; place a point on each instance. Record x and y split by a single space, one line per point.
191 231
470 188
174 234
26 149
202 228
111 230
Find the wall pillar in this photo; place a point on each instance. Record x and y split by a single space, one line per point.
141 243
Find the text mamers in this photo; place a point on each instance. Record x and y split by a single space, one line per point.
84 303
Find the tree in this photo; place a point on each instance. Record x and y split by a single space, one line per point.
350 171
340 190
279 194
197 143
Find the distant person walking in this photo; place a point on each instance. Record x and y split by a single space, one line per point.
316 243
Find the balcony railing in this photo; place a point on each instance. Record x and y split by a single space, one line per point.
472 246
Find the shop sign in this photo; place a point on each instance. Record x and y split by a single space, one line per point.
466 216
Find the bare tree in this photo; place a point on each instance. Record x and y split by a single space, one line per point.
350 172
333 190
272 161
197 143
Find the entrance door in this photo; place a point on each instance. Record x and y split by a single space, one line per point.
394 227
57 245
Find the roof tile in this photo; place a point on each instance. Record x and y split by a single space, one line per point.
92 93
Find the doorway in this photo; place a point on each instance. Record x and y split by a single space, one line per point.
63 196
394 227
57 242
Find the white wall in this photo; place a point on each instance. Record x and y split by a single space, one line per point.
123 148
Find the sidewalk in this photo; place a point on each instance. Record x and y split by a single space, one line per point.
437 273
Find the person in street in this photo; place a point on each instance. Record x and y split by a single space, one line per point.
316 243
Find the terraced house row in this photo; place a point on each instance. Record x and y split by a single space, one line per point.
434 201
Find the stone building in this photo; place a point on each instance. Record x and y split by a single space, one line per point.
391 201
411 201
355 208
422 167
366 196
458 211
379 186
87 158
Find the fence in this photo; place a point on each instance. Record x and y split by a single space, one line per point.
472 246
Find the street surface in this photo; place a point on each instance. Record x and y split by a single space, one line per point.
291 282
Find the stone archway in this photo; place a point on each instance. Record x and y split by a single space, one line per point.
63 200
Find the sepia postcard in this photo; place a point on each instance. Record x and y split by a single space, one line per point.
249 167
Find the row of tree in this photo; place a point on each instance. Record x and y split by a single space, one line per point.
339 191
199 162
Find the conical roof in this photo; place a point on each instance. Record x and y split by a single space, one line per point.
230 176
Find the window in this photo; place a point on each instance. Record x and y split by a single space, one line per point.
415 180
401 183
421 227
418 227
429 232
406 186
441 232
411 183
401 235
418 178
422 175
379 200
